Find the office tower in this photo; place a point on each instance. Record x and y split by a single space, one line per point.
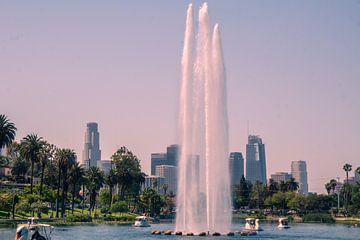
172 154
156 160
170 174
91 152
299 173
155 182
357 177
281 177
255 160
105 165
236 167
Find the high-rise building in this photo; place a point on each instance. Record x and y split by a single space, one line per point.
157 159
105 165
91 152
236 167
172 154
168 158
155 182
299 173
281 177
255 160
169 172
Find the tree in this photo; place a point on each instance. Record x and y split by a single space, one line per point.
64 158
119 207
95 180
128 170
333 184
29 149
328 187
7 131
292 185
67 163
347 168
258 194
273 187
76 176
242 193
44 155
111 180
152 201
19 168
283 186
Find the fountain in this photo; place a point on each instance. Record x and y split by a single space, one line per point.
203 196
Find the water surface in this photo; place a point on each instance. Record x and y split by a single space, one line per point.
111 232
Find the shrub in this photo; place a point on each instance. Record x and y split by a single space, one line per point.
318 217
79 218
119 207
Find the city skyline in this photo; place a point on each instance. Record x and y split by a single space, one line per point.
291 69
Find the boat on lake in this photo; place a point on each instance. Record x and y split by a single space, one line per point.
141 221
283 223
33 231
252 224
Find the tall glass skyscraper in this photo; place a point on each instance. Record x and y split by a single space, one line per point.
91 152
236 167
255 160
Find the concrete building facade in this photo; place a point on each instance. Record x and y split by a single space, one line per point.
91 153
299 173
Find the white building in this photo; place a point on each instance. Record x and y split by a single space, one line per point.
155 182
281 177
169 172
299 173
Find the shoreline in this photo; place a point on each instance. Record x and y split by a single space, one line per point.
9 223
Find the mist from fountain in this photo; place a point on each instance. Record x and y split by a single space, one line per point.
203 195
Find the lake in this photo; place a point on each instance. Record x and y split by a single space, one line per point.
302 231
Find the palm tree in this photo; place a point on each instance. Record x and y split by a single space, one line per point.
76 176
95 180
65 158
347 168
29 149
283 186
328 187
292 185
45 153
67 163
7 131
111 180
273 186
333 184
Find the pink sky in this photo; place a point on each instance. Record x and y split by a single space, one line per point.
292 68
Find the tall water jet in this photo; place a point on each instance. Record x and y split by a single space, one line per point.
203 197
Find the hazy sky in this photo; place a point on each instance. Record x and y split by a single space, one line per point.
293 72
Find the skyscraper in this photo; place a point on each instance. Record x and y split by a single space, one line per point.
157 159
299 173
91 152
236 167
172 154
255 160
169 172
168 158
